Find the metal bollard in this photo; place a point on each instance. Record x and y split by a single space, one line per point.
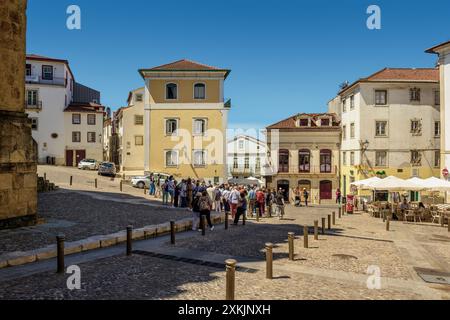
172 232
305 237
388 220
203 224
60 252
71 180
129 240
96 183
340 212
441 220
291 237
226 220
230 278
257 216
45 176
329 222
334 218
269 260
323 225
316 230
121 186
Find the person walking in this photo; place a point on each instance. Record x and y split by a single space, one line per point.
252 201
338 196
205 205
261 200
241 209
217 199
225 199
171 190
279 200
152 185
196 211
183 193
165 192
306 196
234 200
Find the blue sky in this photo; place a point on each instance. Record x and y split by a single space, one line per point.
286 56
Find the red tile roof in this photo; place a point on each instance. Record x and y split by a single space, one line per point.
399 75
436 48
290 123
186 65
85 107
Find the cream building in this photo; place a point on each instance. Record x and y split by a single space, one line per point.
303 153
246 157
390 125
185 120
130 121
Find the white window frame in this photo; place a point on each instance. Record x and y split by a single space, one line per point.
33 97
46 73
92 116
377 164
139 136
76 123
352 158
385 97
438 133
137 123
175 165
344 132
416 130
379 134
173 134
193 95
352 132
197 165
437 159
166 91
194 128
79 135
352 102
92 134
415 94
344 105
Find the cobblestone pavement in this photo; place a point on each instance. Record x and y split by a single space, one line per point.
81 215
142 277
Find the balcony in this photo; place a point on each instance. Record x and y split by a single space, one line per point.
33 107
35 79
246 172
308 170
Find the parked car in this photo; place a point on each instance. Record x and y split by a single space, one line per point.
144 181
107 169
88 164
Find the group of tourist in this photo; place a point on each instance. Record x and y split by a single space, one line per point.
202 198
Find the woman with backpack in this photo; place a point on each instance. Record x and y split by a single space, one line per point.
205 205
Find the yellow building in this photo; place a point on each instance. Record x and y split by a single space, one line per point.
185 120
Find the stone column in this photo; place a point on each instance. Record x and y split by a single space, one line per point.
18 152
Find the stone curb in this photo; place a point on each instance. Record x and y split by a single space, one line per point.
18 258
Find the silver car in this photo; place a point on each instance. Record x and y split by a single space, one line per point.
88 164
107 169
144 181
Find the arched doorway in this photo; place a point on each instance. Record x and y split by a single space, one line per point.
284 184
326 190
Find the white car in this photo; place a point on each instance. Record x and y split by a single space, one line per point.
144 181
88 164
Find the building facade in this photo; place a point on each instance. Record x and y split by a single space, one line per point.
390 125
303 153
185 120
246 157
67 120
130 121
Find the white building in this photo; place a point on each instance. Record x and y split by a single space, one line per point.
443 50
246 156
67 119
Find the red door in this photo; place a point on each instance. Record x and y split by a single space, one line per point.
326 190
69 158
80 155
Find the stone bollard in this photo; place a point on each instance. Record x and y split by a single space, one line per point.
257 216
316 230
226 220
60 239
45 176
71 180
121 185
441 220
340 212
329 222
269 260
388 220
291 237
129 240
230 279
172 232
323 225
334 218
96 183
305 237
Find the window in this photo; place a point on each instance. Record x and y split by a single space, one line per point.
139 97
283 162
76 136
381 158
437 98
91 119
380 97
325 161
344 105
304 122
235 162
416 159
76 118
241 144
32 98
199 158
437 128
352 158
171 126
171 158
34 124
344 158
199 126
171 91
437 159
381 128
416 127
304 161
325 122
139 140
91 137
258 164
344 132
247 161
138 120
352 131
28 70
199 91
414 94
352 102
47 72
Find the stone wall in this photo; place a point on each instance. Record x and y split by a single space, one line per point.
18 150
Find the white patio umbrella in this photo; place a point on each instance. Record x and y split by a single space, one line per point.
394 184
417 181
436 184
365 184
